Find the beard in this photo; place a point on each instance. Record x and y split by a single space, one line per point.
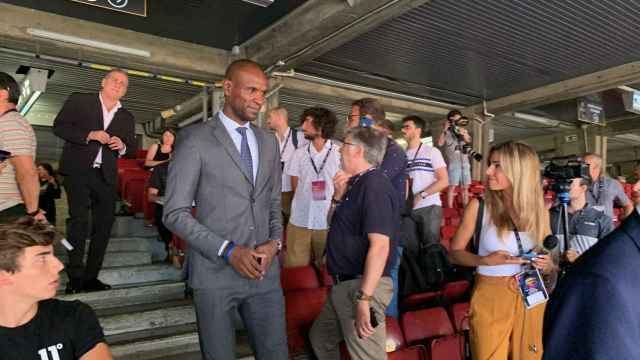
311 137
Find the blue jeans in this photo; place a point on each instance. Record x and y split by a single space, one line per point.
392 309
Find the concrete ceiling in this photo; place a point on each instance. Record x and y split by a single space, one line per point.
217 23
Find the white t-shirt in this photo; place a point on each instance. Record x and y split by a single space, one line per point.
286 152
306 212
421 169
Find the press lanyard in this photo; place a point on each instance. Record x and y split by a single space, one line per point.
600 191
284 146
517 235
416 155
324 162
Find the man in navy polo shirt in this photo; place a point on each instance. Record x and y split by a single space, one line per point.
360 252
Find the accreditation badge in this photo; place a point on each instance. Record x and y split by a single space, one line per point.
531 287
319 190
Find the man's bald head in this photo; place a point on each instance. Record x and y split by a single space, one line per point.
238 66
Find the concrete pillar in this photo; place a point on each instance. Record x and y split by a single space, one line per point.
595 141
480 131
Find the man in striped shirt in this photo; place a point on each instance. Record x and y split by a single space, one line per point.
428 176
19 184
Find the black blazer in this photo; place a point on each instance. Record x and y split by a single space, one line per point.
81 114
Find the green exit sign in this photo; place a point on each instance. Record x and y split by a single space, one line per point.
134 7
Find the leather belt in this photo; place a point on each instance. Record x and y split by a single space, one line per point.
338 278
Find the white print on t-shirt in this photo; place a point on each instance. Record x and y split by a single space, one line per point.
53 350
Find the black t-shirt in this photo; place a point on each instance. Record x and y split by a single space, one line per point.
61 330
371 205
158 178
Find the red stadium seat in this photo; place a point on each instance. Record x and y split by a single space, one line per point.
124 163
134 191
421 300
141 154
460 316
449 213
395 338
301 309
127 174
416 352
149 208
447 232
325 278
422 325
447 348
299 278
456 291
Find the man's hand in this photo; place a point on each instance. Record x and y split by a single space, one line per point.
416 199
571 255
116 144
245 262
269 250
363 320
340 184
446 126
100 136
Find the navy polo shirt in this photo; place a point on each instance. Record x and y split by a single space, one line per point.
370 206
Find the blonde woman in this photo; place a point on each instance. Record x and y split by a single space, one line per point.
501 326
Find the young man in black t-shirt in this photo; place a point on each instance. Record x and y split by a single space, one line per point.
360 252
32 324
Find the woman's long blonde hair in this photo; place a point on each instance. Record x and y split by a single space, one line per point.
521 165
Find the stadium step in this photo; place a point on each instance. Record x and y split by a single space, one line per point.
130 295
131 226
140 274
119 258
117 244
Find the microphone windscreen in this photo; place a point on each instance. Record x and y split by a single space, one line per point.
550 242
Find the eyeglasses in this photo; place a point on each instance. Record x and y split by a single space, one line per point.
353 115
348 143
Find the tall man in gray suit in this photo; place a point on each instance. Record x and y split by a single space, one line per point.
231 168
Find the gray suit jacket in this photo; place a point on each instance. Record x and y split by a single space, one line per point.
206 167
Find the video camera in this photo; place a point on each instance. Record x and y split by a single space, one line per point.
562 170
454 127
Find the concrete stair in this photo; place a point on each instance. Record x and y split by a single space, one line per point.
145 315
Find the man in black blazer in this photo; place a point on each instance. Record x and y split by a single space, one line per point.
594 312
96 130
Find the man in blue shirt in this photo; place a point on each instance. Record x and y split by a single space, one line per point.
360 252
370 112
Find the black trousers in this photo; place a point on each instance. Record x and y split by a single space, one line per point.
89 193
165 234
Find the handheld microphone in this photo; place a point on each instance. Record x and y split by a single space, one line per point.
550 242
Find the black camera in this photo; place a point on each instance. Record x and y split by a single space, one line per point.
4 155
464 147
562 170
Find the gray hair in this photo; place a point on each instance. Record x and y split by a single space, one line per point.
374 143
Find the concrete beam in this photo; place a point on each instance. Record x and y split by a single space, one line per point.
563 90
390 104
318 26
168 56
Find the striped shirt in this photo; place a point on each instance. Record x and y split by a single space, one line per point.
17 137
421 170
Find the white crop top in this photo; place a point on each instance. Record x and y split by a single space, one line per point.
489 242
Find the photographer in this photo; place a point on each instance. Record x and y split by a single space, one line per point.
604 190
587 225
453 140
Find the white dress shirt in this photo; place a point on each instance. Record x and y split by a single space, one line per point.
107 118
306 212
231 127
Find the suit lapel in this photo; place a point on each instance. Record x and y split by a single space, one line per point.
221 133
99 114
262 158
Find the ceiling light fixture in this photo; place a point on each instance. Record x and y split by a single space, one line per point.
263 3
87 42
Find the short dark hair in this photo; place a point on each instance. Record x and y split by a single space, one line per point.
372 107
453 113
47 167
388 125
323 119
417 121
23 233
7 82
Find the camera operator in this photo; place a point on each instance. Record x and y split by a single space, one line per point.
604 190
587 225
453 139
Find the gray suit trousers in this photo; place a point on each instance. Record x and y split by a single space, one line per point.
261 307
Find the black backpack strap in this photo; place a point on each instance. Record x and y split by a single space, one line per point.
294 138
476 232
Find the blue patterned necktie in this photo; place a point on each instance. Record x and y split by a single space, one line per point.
245 152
